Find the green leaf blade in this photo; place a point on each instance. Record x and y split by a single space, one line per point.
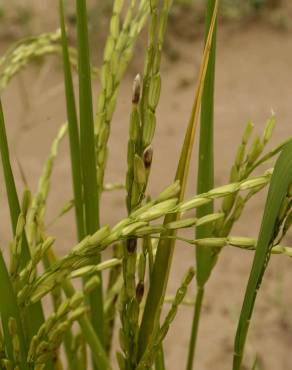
73 130
88 159
280 182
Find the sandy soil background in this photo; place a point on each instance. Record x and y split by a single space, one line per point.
254 75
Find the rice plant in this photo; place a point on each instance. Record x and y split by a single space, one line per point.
125 294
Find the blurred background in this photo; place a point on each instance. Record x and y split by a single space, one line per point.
253 77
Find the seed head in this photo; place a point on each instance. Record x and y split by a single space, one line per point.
269 129
136 90
147 157
26 201
12 326
131 245
247 133
140 291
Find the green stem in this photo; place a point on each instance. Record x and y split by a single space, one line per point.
159 361
195 327
70 355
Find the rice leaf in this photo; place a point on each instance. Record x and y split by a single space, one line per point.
205 257
88 159
280 183
206 155
73 130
